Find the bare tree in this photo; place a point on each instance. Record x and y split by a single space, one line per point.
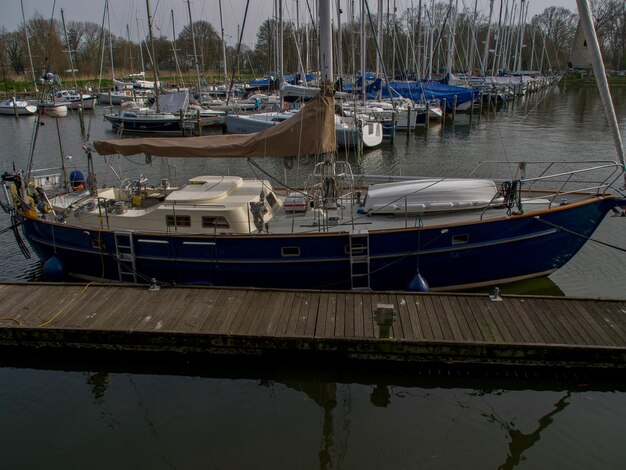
15 50
610 21
558 26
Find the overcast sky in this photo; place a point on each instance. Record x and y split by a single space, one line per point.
126 12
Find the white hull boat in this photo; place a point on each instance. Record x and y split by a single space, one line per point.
347 132
74 100
16 107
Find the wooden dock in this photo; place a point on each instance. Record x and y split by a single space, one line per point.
426 328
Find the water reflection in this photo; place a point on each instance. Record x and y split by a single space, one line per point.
380 396
99 383
195 412
521 442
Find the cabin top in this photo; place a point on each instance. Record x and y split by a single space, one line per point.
206 188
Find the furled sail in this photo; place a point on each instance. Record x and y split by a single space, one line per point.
310 131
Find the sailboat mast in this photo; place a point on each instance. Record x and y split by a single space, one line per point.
497 43
281 57
326 43
193 40
30 56
451 37
69 49
584 11
363 50
154 64
143 65
180 74
130 47
379 38
339 43
110 40
485 64
223 43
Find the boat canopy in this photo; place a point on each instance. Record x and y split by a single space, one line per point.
311 131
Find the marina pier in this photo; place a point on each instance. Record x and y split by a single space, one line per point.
478 329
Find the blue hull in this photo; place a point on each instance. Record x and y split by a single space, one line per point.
146 125
496 251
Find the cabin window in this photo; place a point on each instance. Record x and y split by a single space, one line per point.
178 221
215 222
271 199
460 239
290 251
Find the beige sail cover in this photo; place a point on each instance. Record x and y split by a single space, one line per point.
310 131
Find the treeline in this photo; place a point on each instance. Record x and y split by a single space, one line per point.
411 43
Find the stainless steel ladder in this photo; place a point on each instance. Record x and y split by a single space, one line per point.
125 256
360 260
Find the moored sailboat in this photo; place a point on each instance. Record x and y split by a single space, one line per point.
338 231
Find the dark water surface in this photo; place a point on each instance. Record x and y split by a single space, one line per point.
64 414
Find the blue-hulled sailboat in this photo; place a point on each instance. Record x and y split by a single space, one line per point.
338 232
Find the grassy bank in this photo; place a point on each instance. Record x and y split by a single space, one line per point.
584 80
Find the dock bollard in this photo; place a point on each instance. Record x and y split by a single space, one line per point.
384 316
495 297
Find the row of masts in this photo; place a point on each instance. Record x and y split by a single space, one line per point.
430 44
418 54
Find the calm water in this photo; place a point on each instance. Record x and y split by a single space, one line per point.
65 414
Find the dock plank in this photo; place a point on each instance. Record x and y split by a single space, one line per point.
478 312
271 314
439 306
368 316
404 317
511 319
340 315
424 317
612 318
285 312
497 325
349 314
310 326
299 303
590 323
359 322
550 315
455 313
415 307
544 332
225 321
330 315
246 313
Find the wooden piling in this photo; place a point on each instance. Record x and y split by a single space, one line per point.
443 114
408 120
454 108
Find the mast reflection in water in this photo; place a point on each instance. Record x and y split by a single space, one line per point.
218 413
